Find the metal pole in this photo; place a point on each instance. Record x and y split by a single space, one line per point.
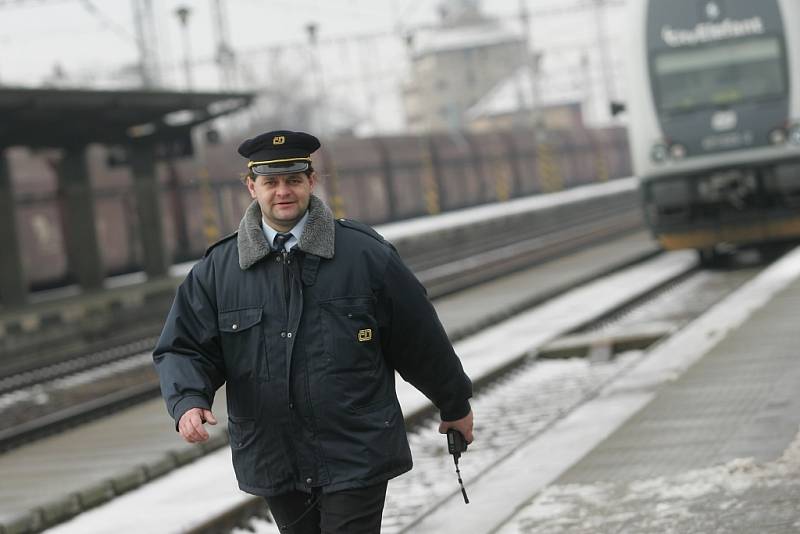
532 62
602 47
151 44
144 67
183 13
225 58
546 165
316 61
332 180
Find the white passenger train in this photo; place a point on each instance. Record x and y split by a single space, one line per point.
714 120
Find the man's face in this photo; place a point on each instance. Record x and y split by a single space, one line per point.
283 198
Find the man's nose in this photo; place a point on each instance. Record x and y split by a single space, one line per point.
283 188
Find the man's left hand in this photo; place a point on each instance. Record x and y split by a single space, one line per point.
463 425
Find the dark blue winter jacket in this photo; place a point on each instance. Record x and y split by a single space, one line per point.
307 343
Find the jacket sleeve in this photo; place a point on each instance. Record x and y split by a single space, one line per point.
416 344
187 357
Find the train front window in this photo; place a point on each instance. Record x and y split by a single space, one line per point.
720 74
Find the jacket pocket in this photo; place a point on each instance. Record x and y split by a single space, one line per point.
351 334
248 459
241 431
243 346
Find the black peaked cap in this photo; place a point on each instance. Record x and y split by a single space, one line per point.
278 145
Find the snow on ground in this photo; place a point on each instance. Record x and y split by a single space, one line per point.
739 496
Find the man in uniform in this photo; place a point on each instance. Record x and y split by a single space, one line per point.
306 319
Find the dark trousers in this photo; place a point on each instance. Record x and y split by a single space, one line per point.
352 511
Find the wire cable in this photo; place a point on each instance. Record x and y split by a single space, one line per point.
109 23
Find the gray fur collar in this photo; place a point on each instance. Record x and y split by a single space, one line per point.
317 238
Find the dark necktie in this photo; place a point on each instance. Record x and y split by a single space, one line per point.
278 246
280 240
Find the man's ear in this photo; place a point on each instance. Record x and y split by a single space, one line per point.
251 186
312 180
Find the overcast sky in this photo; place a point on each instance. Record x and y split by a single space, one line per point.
93 41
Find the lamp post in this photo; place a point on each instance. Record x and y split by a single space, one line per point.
183 13
602 45
332 185
533 63
225 56
316 62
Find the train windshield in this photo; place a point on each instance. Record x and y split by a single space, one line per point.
719 75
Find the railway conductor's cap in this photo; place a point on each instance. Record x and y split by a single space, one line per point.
279 152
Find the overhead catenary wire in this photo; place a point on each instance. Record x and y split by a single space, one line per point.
381 42
325 40
108 22
29 3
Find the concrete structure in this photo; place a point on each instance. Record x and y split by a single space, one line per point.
12 276
510 104
60 476
146 124
455 64
80 233
699 436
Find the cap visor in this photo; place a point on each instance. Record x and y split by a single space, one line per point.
280 168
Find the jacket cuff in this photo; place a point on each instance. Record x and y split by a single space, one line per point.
186 404
455 411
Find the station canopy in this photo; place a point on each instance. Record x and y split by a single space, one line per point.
41 118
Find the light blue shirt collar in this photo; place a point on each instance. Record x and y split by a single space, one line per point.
296 232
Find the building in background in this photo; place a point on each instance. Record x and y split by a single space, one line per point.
455 64
510 104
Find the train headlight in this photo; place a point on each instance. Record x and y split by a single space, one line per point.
777 136
677 151
794 134
659 153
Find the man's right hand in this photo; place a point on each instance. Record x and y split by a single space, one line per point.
191 424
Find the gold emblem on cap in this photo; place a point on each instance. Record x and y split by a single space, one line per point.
365 334
278 140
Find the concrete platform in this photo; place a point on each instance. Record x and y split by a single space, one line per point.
700 437
71 472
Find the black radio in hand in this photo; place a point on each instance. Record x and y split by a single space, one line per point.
456 444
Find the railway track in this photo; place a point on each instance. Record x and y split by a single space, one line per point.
526 230
471 266
560 314
548 376
75 364
523 401
531 396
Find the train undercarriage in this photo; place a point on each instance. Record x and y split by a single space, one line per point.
722 210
